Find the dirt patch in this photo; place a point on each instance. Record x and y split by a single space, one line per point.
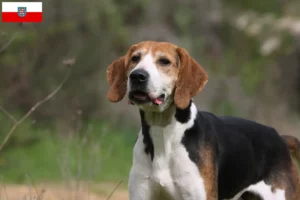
82 191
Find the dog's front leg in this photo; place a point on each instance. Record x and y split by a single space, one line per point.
140 187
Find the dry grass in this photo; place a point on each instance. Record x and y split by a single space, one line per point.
86 191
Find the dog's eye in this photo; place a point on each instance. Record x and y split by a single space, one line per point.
135 58
164 61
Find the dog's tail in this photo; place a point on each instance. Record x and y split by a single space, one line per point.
294 147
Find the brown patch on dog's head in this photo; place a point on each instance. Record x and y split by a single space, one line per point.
117 77
170 56
191 79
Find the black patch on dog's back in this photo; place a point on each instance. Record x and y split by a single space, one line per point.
245 151
147 140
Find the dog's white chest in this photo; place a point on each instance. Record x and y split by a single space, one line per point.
164 166
171 174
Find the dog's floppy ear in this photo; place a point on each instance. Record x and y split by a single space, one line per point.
117 77
191 79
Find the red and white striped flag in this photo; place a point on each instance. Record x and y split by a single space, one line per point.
22 12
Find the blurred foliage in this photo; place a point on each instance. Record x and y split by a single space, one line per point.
94 154
232 38
259 6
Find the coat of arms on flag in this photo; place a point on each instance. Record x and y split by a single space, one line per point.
22 11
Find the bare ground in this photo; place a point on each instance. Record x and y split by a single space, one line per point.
82 191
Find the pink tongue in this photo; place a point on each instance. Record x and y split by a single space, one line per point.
157 101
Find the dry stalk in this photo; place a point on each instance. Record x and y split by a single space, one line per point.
38 104
114 190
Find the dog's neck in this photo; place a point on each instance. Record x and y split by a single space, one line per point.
163 119
156 127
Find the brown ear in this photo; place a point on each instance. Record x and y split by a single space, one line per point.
117 77
117 80
191 79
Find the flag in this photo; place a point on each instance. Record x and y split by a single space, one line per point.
22 12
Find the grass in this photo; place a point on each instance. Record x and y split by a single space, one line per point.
100 153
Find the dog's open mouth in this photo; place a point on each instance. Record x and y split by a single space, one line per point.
140 97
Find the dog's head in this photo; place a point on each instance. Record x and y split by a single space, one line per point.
155 75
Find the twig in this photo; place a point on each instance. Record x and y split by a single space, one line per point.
1 186
38 104
31 182
5 192
39 195
114 190
29 189
8 43
8 115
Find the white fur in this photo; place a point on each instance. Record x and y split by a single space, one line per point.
158 84
171 172
264 191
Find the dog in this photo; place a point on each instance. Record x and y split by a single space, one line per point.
184 154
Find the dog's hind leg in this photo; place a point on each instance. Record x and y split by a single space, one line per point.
264 191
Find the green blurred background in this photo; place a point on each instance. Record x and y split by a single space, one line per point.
250 49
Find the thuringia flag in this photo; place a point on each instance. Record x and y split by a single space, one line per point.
22 12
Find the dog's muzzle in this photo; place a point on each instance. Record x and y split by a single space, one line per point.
139 93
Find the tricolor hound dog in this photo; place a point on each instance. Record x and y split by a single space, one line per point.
184 154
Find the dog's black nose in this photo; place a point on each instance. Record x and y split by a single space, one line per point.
138 76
